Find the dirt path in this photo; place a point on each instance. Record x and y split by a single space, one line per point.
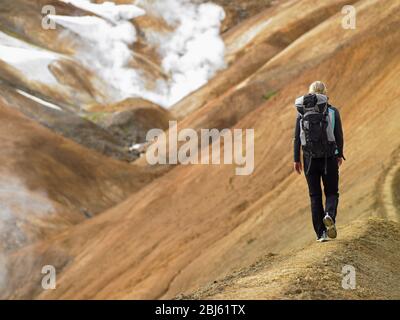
315 272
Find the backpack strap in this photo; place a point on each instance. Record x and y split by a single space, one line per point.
325 115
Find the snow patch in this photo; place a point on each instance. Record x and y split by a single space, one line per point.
109 10
7 40
28 59
38 100
32 63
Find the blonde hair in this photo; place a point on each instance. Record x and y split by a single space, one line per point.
318 87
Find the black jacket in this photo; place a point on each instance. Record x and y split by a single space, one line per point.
338 130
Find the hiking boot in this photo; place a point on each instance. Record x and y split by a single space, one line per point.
323 238
330 226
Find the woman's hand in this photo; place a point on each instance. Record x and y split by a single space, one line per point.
339 161
298 167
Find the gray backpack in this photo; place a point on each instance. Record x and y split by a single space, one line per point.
316 127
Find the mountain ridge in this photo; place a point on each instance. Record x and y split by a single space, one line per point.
315 272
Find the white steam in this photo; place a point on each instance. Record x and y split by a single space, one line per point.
19 205
106 50
194 52
190 55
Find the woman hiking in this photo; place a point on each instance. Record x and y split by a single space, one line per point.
319 134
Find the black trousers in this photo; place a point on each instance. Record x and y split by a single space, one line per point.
331 189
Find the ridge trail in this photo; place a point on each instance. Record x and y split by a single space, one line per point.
387 194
